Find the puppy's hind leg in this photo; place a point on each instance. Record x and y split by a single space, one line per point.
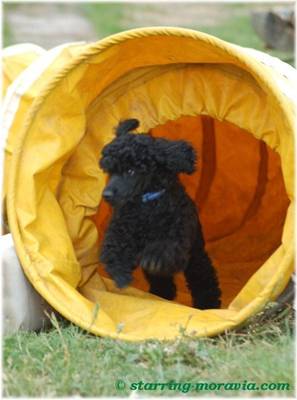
162 286
202 280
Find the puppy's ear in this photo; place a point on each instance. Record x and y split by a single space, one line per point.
177 155
126 126
107 163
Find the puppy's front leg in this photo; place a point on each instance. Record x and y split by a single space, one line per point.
119 260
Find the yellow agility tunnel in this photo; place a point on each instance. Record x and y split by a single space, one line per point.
235 105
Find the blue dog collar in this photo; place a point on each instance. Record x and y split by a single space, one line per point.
152 196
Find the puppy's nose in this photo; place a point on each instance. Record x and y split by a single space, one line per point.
108 194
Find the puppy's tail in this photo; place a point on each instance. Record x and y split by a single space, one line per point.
126 126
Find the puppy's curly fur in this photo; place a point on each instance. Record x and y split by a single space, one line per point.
154 223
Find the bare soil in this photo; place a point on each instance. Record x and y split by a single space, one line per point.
47 24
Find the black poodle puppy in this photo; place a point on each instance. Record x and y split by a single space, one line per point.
154 223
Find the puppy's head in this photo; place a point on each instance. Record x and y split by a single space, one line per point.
137 163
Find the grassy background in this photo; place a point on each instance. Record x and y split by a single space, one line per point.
66 361
7 34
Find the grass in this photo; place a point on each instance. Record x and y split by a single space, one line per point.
106 18
67 361
6 34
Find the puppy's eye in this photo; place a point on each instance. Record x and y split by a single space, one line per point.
131 172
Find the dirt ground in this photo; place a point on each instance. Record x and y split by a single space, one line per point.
47 24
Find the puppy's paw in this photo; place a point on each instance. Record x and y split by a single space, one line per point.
158 258
122 279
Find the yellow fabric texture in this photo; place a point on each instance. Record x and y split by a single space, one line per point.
16 61
179 84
